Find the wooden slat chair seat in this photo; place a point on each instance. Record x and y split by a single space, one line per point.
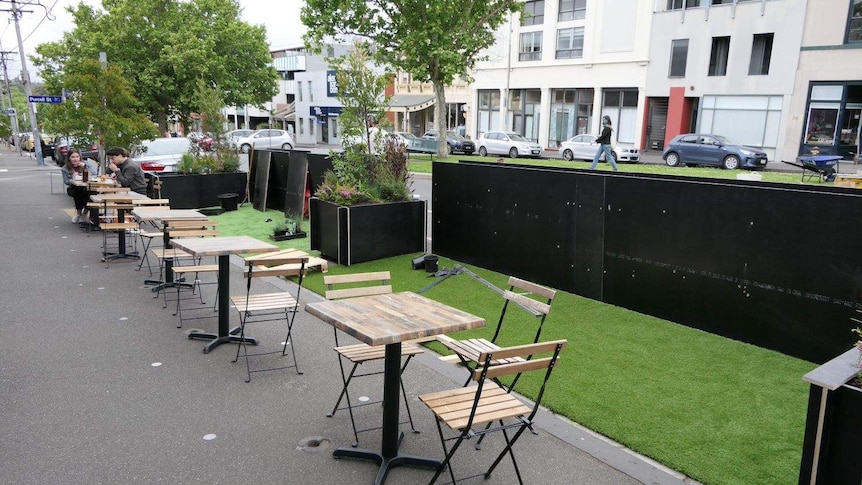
467 352
192 267
374 283
486 408
268 307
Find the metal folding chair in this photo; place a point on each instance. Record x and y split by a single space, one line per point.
268 307
478 411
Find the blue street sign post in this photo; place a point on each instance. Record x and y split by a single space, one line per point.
45 99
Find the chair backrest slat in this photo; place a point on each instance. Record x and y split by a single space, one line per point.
526 302
496 371
521 350
356 278
354 292
532 288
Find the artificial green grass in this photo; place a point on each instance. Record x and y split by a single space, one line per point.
420 163
720 411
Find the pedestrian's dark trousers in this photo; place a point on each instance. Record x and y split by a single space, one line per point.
80 195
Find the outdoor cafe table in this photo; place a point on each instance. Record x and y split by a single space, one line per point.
222 247
163 215
389 320
120 200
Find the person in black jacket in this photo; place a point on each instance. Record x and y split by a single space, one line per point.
128 172
604 141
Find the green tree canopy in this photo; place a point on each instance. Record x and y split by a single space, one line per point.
433 41
164 47
99 105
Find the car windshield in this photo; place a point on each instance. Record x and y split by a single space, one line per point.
726 141
517 137
455 136
170 146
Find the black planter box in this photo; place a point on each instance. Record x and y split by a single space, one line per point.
355 234
830 451
193 191
287 237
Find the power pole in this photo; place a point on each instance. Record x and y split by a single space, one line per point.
14 116
25 78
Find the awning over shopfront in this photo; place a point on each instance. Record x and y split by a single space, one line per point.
409 103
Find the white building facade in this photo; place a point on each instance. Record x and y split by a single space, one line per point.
726 67
561 65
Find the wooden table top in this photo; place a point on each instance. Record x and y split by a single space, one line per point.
166 214
117 197
222 245
387 319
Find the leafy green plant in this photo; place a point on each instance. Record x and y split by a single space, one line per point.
187 164
292 224
372 168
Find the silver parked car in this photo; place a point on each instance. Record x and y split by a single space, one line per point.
268 138
507 143
161 155
583 147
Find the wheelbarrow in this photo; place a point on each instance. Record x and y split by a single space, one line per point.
823 167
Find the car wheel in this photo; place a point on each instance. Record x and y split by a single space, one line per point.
672 159
731 162
287 146
245 148
513 152
568 155
483 152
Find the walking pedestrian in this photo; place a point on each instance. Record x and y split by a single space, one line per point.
604 141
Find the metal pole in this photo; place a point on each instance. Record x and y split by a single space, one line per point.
37 145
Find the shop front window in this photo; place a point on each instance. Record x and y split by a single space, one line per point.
822 121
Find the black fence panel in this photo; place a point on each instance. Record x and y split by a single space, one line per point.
770 264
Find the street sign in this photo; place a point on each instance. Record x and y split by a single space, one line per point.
45 99
8 111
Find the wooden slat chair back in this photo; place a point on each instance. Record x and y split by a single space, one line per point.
486 408
182 271
149 231
467 352
313 262
352 286
268 307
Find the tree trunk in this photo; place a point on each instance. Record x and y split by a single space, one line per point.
440 118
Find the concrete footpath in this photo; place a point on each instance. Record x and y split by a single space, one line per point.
99 386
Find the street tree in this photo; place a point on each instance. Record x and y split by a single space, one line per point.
164 47
433 41
99 105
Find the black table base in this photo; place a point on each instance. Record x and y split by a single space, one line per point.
386 464
215 340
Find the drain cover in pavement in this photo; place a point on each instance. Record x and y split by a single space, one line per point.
313 443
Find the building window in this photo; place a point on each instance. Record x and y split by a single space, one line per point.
531 47
489 110
718 57
570 43
310 93
571 114
534 12
572 10
311 123
761 54
299 90
678 57
675 4
301 126
854 30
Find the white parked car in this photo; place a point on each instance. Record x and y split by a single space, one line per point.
161 155
507 143
268 138
233 136
583 147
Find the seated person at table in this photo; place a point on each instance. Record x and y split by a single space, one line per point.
74 170
128 172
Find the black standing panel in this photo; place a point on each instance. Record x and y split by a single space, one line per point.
294 194
260 177
279 166
318 164
588 246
